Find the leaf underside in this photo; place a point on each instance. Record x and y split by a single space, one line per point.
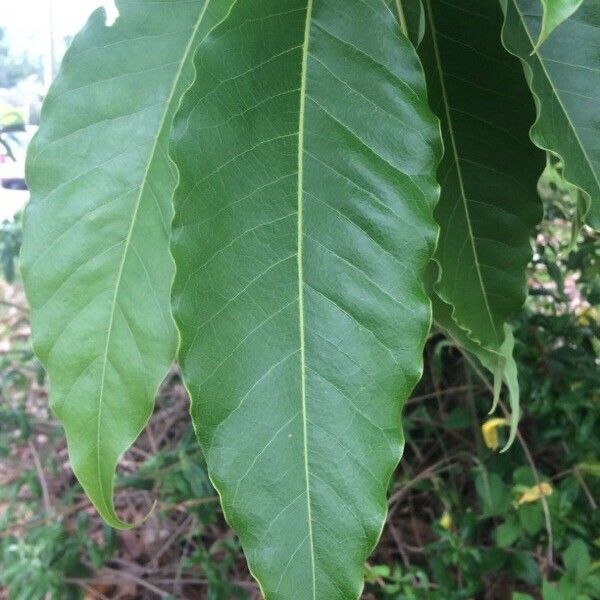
95 261
565 79
500 362
303 226
488 205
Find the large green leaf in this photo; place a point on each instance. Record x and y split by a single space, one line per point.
95 259
488 205
564 75
303 226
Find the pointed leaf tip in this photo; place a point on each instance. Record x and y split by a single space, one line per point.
555 13
95 258
301 310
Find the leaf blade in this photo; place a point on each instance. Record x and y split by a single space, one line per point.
500 362
488 205
284 316
565 80
95 261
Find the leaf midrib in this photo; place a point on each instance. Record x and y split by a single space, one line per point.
301 325
127 243
463 193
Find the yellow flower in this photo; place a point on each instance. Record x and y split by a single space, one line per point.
588 315
489 430
535 493
446 520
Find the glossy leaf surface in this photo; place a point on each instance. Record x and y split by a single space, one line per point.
564 76
488 205
96 260
303 226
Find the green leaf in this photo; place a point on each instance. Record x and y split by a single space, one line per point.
549 592
500 362
577 560
524 566
565 80
489 205
494 495
303 226
521 596
554 13
411 18
531 517
95 259
508 532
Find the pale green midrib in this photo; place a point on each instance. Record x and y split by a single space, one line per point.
536 52
463 193
303 86
127 243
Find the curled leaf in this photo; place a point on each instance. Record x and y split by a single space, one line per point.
489 431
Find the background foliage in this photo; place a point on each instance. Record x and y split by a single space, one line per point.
465 521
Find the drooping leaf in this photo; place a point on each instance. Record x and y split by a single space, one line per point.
95 259
554 13
303 225
488 205
499 362
565 79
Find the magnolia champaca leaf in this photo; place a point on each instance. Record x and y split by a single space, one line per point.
500 362
564 76
488 205
95 260
303 226
554 13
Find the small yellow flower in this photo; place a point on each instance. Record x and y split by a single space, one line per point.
446 520
489 430
535 493
587 315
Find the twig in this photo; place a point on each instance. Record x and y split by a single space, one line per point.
88 588
425 474
398 543
41 477
185 524
30 524
14 305
135 579
446 392
103 579
189 503
586 489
